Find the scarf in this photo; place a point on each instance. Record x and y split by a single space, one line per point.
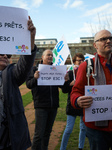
100 76
99 79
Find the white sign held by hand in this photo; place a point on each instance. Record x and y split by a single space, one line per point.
51 75
14 35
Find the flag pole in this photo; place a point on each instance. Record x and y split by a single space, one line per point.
72 65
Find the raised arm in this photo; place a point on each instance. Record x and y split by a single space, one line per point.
32 30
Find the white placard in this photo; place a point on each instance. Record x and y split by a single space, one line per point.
51 75
101 109
14 35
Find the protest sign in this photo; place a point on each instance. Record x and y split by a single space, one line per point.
51 75
14 35
101 109
60 52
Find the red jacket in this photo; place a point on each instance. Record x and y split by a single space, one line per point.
79 89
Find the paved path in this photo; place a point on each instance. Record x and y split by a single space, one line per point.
30 115
56 132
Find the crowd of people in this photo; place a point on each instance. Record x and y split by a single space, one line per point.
14 133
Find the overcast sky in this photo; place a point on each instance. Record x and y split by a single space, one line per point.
71 18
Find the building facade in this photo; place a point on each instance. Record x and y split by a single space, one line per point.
85 46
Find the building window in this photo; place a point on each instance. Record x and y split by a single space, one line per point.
84 41
44 42
38 43
91 41
90 48
76 50
84 48
51 42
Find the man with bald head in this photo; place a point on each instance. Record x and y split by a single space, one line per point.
46 102
99 133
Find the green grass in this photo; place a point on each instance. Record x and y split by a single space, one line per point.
61 116
24 83
27 98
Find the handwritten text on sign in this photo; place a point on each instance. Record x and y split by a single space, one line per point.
101 109
14 35
51 75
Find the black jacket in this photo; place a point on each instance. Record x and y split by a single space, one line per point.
13 76
67 89
43 96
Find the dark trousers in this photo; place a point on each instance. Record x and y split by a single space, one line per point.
43 127
99 140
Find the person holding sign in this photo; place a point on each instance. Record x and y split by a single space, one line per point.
14 134
99 133
70 111
46 102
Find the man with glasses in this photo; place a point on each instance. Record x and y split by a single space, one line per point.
14 134
70 111
99 133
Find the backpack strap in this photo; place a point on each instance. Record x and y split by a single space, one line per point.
89 68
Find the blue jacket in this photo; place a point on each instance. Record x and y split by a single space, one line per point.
13 76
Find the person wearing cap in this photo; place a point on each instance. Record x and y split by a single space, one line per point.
14 133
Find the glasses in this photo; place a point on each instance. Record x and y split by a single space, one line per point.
79 60
8 56
104 39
